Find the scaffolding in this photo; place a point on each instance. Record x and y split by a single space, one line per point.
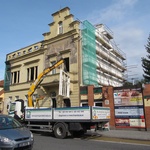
7 77
89 65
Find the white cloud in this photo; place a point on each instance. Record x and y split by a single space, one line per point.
128 28
131 41
130 38
114 13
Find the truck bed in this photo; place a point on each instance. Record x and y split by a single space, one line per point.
68 114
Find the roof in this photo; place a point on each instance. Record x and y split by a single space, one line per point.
1 83
1 92
61 10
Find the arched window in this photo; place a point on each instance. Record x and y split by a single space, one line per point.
60 27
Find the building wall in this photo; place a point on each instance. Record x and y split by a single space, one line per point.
65 39
19 88
42 55
110 59
1 96
146 92
103 61
91 96
108 101
2 102
67 45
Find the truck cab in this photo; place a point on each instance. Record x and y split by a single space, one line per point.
18 105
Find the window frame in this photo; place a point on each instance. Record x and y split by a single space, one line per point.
34 75
60 27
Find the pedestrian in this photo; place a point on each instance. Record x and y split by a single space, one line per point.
16 116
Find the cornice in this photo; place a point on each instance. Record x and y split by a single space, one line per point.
29 55
61 37
32 61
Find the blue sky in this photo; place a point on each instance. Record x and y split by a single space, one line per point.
22 22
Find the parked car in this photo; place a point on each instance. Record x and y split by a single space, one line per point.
13 135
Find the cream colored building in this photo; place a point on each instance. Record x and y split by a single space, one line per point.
1 96
74 44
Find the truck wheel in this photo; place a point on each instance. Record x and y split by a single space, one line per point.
60 131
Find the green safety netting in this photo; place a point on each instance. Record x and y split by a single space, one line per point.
89 58
7 76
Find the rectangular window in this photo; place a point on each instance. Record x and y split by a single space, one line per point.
32 73
84 104
54 70
36 72
98 104
66 63
60 28
15 77
28 74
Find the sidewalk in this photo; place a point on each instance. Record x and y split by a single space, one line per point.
126 134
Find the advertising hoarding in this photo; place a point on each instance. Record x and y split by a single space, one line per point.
129 112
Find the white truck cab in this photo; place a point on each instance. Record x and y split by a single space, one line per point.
17 105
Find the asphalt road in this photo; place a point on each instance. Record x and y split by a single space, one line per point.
48 142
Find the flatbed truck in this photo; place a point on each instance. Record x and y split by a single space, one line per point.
60 121
68 120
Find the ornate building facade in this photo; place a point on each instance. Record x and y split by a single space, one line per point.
89 54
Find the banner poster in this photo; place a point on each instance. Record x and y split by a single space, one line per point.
130 123
135 112
124 97
129 112
72 113
38 114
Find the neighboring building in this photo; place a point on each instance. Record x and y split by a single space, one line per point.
90 56
1 96
103 62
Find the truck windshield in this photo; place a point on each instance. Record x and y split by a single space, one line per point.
12 107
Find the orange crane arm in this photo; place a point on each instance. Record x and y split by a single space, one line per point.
39 79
